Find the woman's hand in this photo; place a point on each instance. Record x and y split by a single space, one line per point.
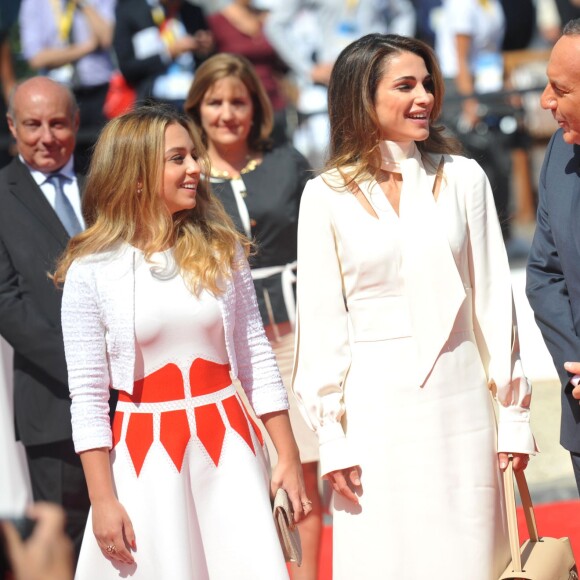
346 482
288 475
113 530
111 524
520 460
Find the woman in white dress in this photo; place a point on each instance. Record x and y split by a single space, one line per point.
159 304
405 325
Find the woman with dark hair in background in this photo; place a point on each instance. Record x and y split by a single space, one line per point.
405 323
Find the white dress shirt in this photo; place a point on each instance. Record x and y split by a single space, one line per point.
70 188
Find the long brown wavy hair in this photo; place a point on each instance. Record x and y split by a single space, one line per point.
122 202
354 126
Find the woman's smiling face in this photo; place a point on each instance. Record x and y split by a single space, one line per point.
181 171
404 99
227 112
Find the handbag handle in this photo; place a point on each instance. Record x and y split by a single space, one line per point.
510 502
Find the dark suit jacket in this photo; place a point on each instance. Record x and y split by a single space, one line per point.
553 274
31 240
132 16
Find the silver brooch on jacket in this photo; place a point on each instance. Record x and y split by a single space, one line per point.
164 271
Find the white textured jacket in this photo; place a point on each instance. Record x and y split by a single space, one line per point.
98 322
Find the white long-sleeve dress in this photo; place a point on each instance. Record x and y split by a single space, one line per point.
404 321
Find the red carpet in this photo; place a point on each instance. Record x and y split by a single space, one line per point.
554 519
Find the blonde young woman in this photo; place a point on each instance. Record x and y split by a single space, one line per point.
404 326
159 305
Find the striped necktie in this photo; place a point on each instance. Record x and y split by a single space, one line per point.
63 207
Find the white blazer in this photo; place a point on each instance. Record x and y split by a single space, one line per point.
98 322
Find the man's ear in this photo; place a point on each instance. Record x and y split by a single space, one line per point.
11 125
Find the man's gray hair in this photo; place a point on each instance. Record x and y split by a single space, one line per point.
572 28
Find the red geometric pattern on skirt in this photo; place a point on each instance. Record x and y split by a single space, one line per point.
139 438
237 419
117 427
210 430
175 435
166 384
206 377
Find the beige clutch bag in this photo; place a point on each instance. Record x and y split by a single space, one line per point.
286 528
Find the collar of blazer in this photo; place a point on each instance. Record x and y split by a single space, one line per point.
23 187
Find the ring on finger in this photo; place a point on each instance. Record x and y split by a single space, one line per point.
111 549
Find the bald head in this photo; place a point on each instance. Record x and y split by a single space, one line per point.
43 118
36 86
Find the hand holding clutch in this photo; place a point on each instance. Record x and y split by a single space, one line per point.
286 528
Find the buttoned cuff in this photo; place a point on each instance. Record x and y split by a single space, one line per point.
514 431
335 452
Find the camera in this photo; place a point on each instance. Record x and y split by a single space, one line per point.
24 526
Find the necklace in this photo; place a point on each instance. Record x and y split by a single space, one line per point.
249 166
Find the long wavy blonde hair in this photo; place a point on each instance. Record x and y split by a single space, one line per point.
122 203
354 127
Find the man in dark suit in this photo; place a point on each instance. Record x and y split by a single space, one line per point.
39 211
553 275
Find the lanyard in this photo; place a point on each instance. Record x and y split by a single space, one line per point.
64 18
158 15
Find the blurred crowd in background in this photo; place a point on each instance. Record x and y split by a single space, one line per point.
113 53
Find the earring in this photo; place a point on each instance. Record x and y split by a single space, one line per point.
139 189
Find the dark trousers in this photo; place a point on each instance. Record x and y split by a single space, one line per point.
56 475
576 465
